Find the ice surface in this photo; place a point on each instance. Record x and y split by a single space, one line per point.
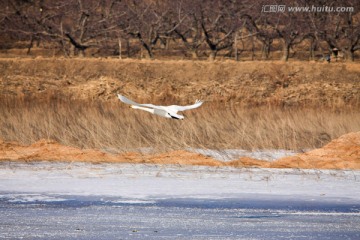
141 182
124 201
29 198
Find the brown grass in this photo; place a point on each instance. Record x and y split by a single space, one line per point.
116 128
230 83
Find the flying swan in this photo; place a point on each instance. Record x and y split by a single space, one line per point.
163 111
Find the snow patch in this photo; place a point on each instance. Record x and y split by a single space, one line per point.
30 198
233 154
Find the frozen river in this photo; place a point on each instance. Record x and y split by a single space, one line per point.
124 201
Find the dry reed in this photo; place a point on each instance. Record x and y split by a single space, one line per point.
116 128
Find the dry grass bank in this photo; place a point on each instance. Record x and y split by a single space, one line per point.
229 83
116 128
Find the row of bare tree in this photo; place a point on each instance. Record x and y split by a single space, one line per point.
192 27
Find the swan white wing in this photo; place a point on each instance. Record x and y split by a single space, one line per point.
128 101
176 108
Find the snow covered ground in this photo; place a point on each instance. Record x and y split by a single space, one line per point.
149 182
224 154
233 154
124 201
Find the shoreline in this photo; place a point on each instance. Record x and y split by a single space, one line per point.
340 154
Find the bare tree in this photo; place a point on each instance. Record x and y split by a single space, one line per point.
258 25
75 22
344 34
189 30
219 21
17 23
292 29
338 29
149 22
211 26
91 23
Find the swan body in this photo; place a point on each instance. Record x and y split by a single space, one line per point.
163 111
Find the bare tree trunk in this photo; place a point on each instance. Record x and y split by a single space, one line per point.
286 52
163 43
128 47
62 41
212 55
349 55
149 53
312 50
147 47
63 46
252 48
81 53
72 50
265 51
194 54
119 42
167 45
31 44
235 47
76 47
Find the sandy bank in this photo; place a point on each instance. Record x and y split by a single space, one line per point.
341 153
